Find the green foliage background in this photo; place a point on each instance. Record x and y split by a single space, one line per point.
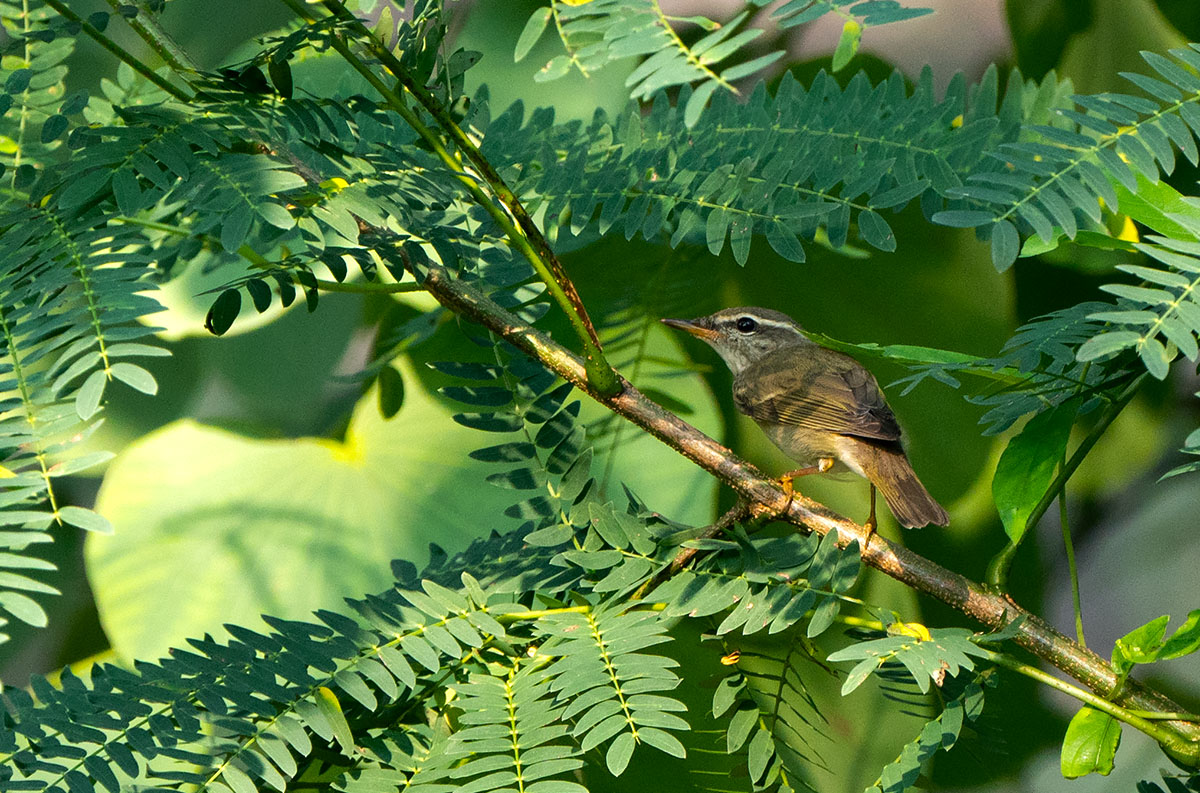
293 492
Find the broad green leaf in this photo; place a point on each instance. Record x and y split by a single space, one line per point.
135 376
1027 466
87 399
329 706
682 492
533 30
1006 244
223 312
85 519
847 45
619 752
215 528
1152 204
1090 744
1146 644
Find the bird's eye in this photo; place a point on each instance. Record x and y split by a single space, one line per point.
747 325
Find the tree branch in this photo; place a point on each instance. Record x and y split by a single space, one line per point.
1182 742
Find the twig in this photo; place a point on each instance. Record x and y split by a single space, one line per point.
146 26
121 53
1072 568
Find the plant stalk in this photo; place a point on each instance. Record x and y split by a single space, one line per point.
146 26
1072 568
122 54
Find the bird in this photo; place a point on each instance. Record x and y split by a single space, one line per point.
822 408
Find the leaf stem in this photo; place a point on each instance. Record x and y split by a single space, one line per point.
524 234
146 26
117 50
1069 545
516 616
368 287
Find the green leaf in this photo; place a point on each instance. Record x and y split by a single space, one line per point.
235 226
187 492
1146 645
1006 244
1155 357
1153 204
81 463
276 214
1184 641
741 723
619 752
23 608
697 101
1107 343
280 72
962 218
135 376
1090 744
661 740
85 519
1027 466
260 294
87 400
875 231
847 45
532 31
762 750
223 312
331 709
391 391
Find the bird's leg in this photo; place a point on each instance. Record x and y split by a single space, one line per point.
870 524
824 464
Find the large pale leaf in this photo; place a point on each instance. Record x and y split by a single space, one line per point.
667 482
213 527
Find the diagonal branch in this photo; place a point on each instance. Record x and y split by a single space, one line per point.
1181 740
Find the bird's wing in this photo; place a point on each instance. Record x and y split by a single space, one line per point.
817 389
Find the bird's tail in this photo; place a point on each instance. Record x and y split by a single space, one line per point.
890 471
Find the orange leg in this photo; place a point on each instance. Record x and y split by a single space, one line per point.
823 465
870 524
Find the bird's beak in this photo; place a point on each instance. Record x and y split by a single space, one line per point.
692 327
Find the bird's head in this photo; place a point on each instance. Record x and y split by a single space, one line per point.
743 335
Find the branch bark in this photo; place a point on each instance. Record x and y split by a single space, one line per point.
971 598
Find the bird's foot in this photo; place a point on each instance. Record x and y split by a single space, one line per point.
824 465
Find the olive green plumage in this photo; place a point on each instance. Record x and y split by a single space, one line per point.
815 403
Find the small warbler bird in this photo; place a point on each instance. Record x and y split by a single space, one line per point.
823 409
